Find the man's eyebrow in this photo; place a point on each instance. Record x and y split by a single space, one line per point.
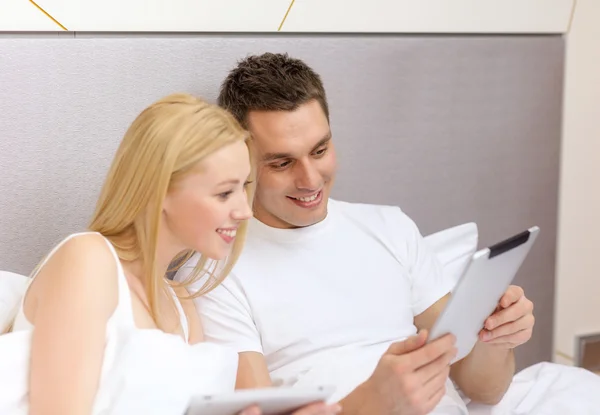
276 156
323 141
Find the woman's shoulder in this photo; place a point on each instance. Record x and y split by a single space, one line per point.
80 270
89 251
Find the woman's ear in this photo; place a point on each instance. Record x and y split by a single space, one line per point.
166 204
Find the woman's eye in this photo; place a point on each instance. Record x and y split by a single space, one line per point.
224 195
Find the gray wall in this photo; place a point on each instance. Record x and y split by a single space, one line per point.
451 128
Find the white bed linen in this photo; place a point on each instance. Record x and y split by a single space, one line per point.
547 389
145 371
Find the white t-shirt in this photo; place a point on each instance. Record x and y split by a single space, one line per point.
324 302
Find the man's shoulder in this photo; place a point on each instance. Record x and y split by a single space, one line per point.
361 207
372 213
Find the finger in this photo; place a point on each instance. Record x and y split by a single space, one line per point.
251 410
408 345
514 339
511 296
436 385
510 314
432 351
440 365
319 409
523 323
435 398
312 409
428 399
333 409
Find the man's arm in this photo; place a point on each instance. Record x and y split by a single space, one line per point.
252 371
226 318
485 374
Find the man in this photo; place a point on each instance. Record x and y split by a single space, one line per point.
329 292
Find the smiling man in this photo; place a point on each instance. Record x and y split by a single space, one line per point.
296 173
330 292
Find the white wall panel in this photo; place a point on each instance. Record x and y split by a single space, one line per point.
430 16
391 16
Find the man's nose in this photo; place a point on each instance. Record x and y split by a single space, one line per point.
307 176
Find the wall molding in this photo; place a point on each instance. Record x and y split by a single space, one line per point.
300 16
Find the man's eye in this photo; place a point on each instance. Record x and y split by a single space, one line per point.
321 151
281 165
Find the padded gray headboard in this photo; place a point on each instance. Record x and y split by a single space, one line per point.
451 128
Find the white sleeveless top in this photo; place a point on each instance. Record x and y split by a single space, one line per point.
144 370
123 312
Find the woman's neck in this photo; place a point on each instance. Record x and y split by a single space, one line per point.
167 249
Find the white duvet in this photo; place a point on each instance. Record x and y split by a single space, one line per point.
542 389
548 389
153 373
145 372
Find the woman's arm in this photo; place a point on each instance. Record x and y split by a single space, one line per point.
76 293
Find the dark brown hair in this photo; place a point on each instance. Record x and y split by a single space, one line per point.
270 82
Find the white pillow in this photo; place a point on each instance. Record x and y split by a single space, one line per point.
454 247
12 289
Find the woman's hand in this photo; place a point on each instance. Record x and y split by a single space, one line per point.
312 409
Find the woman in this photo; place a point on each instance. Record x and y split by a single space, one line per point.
112 334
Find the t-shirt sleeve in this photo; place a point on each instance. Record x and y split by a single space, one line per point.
428 280
225 313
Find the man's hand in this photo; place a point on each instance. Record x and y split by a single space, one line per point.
512 323
409 379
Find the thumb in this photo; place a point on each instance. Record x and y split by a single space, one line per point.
408 345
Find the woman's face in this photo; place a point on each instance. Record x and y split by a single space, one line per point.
203 210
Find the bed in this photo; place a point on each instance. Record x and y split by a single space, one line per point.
453 129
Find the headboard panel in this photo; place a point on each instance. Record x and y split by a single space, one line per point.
451 128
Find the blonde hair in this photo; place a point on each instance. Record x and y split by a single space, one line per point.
164 142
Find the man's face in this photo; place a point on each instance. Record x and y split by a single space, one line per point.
296 165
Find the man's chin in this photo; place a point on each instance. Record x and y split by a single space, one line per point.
296 217
309 220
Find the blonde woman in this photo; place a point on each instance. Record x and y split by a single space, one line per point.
106 331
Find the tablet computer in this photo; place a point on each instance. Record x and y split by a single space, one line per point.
272 401
480 288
